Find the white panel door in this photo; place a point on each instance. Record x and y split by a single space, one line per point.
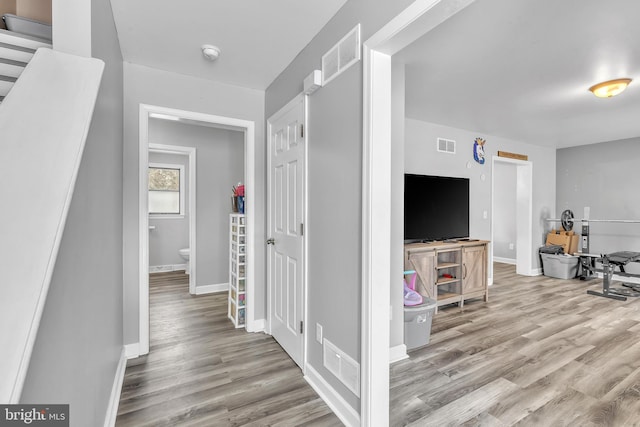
285 193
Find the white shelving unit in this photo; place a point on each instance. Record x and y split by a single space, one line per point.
237 269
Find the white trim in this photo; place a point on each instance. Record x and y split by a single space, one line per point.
397 353
248 127
259 325
212 289
114 400
131 351
166 268
301 97
416 20
190 152
509 261
334 401
534 272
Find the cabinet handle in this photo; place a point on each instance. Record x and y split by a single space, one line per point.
464 268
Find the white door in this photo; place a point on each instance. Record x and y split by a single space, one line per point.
285 229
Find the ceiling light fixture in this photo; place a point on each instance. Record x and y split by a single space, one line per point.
210 52
609 88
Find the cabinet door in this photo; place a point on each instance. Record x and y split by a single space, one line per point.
474 267
424 263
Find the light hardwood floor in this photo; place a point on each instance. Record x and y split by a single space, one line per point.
201 371
541 352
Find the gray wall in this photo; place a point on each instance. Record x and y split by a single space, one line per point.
605 178
504 215
421 157
334 183
170 234
219 166
161 88
79 342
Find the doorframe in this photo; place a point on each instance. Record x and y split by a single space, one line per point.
190 152
147 112
304 98
524 214
415 21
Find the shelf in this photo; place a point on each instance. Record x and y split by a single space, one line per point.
442 265
446 280
237 270
448 295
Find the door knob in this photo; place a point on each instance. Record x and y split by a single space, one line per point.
271 241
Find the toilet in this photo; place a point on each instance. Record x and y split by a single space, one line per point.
184 253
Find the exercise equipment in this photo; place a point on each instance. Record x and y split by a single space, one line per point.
609 264
609 261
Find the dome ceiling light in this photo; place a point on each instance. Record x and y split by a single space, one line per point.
609 88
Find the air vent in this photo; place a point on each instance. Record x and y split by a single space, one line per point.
342 366
446 145
340 57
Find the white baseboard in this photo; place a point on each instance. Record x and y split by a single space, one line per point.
166 268
338 405
397 353
131 351
210 289
536 272
114 400
258 325
504 260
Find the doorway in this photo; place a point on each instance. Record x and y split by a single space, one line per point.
148 112
177 227
520 195
286 269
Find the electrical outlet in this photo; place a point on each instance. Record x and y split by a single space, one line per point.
510 246
319 333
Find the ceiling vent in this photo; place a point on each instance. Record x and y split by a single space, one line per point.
340 57
446 146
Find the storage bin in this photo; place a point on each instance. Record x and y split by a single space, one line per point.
417 323
560 266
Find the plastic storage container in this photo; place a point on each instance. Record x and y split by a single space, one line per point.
417 323
560 266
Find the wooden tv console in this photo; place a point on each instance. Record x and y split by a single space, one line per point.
449 272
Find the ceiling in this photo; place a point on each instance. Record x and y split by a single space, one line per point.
521 70
258 38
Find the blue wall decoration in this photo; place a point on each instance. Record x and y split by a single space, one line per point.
478 150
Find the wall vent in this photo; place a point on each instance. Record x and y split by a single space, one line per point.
342 366
446 146
341 56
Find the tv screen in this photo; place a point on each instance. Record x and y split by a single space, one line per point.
435 208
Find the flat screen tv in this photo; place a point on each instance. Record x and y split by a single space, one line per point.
435 208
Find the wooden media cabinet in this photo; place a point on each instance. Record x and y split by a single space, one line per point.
449 272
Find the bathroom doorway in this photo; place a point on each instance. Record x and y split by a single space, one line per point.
243 135
172 209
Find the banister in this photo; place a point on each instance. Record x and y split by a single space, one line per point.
44 122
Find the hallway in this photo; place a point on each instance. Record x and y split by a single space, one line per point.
202 372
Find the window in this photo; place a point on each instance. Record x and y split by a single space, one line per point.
166 190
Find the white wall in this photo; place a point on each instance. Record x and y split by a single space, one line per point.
156 87
335 184
504 215
421 157
605 178
79 342
219 166
170 234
